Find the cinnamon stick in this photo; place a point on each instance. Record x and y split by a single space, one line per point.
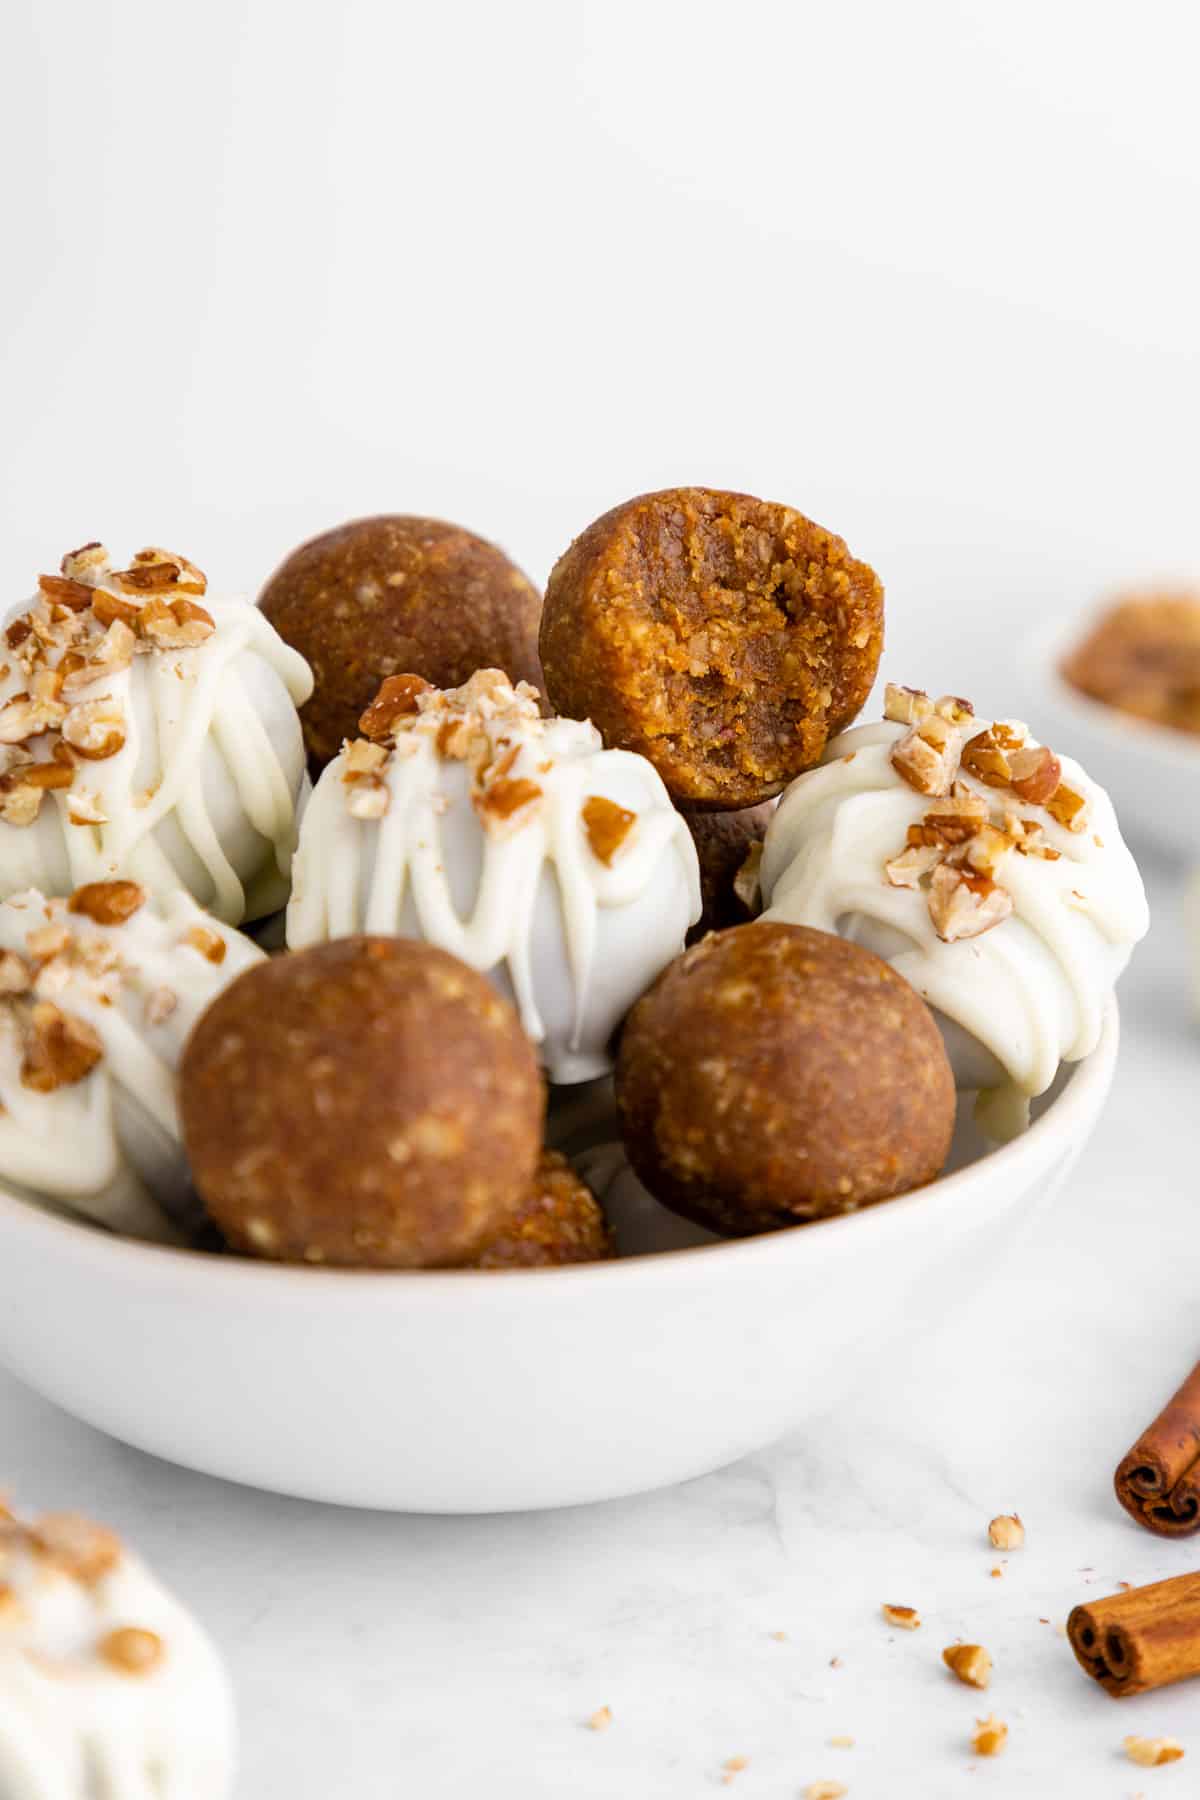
1158 1483
1142 1639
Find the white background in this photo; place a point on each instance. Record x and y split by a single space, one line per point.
928 272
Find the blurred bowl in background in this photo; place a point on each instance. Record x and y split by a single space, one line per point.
1152 772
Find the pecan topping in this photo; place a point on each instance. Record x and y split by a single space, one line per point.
209 943
985 852
396 699
984 758
362 760
503 799
954 709
108 608
65 591
1036 774
80 562
95 729
908 869
108 902
131 1651
148 577
25 717
927 756
964 905
175 624
957 819
905 705
113 653
60 1050
1068 807
16 977
607 826
369 798
84 808
73 1544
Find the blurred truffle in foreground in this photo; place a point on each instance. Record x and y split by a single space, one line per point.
398 595
774 1075
371 1101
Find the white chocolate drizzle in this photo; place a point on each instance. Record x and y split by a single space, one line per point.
423 842
204 790
108 1146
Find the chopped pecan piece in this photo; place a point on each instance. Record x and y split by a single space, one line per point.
369 797
362 760
131 1651
985 852
25 717
84 561
16 977
990 1736
85 1551
113 653
963 905
905 705
502 800
108 609
1068 807
955 709
1006 1532
150 577
1152 1753
60 1050
64 591
84 808
958 818
607 825
16 633
160 1004
906 1617
908 869
95 729
970 1662
175 624
396 699
108 902
984 758
209 943
1036 774
927 756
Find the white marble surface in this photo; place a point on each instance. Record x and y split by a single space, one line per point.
387 1656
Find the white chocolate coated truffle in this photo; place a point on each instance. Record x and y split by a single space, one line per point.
151 732
94 1016
558 868
1012 915
107 1684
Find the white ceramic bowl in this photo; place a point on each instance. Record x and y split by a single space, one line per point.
1151 772
482 1392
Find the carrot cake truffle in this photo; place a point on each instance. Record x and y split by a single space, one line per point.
987 869
421 1096
723 637
383 596
151 732
729 846
519 843
97 996
560 1221
774 1075
107 1684
1143 657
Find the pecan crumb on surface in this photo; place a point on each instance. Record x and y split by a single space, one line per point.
841 1741
825 1790
108 902
906 1618
990 1736
209 943
970 1662
1006 1532
607 826
601 1719
1149 1752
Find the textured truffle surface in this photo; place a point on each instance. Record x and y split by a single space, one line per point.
560 1221
725 638
398 595
723 841
371 1101
774 1075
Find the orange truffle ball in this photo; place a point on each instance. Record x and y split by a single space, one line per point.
774 1075
371 1101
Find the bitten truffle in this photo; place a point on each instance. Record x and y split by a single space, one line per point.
728 845
394 595
367 1102
774 1075
723 637
560 1221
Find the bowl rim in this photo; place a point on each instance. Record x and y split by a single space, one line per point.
169 1267
1179 747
